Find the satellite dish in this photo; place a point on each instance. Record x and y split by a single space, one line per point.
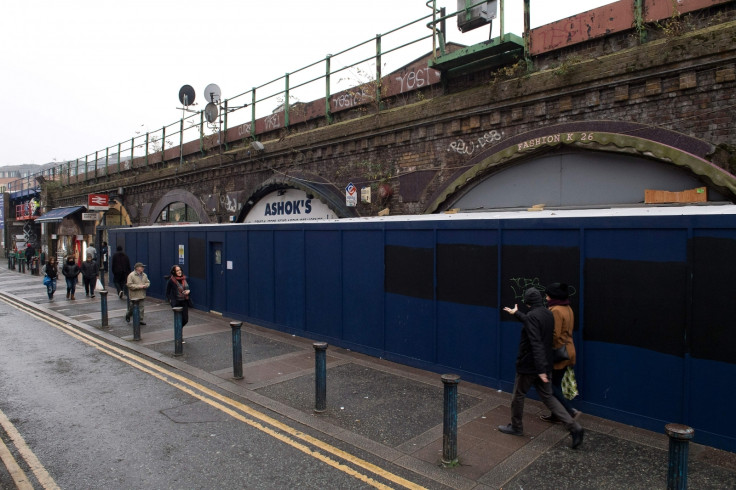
212 93
186 95
211 112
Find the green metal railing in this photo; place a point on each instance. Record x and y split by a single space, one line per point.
153 146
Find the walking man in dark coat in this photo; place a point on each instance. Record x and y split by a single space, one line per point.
534 366
120 270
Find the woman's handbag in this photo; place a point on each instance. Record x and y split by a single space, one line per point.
569 385
560 354
46 280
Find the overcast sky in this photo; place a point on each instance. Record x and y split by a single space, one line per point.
77 76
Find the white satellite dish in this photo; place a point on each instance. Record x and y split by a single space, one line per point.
212 93
211 112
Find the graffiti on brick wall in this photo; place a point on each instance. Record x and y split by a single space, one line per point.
463 148
244 130
351 98
416 79
231 204
272 122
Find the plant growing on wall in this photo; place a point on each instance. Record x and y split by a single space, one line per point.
365 87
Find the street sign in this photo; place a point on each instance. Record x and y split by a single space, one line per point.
351 195
99 202
89 216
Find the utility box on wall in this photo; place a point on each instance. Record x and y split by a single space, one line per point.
470 17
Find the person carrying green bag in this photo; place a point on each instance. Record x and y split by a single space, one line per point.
558 302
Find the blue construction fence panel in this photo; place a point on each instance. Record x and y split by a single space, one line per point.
652 296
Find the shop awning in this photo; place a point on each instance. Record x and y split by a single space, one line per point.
58 214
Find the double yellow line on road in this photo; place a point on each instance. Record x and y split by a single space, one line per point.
328 454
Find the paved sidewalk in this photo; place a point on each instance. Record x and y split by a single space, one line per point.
392 411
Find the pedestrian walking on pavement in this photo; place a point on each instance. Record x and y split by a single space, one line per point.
90 270
534 366
177 292
558 302
120 270
137 284
51 270
71 273
103 256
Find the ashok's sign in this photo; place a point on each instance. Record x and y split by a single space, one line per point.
98 202
288 205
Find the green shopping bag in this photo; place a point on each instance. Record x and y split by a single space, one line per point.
569 385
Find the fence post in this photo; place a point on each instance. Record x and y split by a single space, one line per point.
449 426
178 340
320 376
136 319
680 436
103 306
237 350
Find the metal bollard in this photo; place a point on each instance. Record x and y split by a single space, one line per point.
320 376
178 334
22 268
680 436
237 350
136 319
449 426
103 306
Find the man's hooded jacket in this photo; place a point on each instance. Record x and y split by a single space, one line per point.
535 345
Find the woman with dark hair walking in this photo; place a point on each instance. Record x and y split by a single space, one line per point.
71 273
51 270
177 292
558 302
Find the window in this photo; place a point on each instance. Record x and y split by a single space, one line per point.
177 212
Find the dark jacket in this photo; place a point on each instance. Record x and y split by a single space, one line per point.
70 270
89 269
120 266
174 295
51 270
535 345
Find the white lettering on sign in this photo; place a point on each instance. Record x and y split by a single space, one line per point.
555 138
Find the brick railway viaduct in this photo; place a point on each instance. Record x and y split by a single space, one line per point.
599 90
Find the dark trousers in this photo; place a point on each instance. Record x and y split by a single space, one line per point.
184 311
71 285
89 285
120 284
141 309
522 384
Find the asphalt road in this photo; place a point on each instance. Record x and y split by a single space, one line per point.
95 419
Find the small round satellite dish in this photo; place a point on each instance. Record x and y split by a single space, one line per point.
211 112
212 93
186 95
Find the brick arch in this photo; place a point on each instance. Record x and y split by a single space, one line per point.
617 137
179 195
319 187
120 208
